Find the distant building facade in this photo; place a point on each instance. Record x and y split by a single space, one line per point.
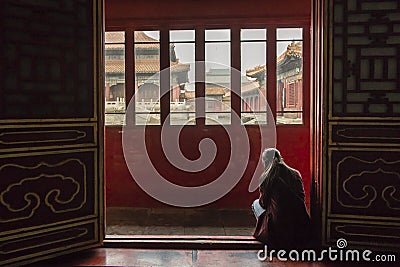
147 64
289 93
218 81
290 81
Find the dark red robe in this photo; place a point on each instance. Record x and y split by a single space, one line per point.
286 223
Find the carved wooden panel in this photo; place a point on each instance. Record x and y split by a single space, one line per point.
366 64
47 59
364 183
42 189
366 234
361 191
50 116
57 239
23 137
378 134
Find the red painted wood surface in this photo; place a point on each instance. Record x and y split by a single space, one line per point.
122 190
130 10
292 140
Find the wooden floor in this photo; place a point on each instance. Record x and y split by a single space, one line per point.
179 258
179 221
183 251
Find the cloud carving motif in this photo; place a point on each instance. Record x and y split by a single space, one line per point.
367 183
54 187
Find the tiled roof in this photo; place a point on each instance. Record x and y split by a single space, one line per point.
114 47
142 37
153 66
115 37
147 66
146 41
215 91
147 46
294 49
209 91
115 66
142 66
256 70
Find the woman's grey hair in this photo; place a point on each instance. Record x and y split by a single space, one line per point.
269 155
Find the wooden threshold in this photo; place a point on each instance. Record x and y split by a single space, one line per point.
182 242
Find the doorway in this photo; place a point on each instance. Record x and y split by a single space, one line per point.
135 47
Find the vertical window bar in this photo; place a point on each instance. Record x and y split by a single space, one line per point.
306 76
235 76
164 77
200 76
129 76
271 70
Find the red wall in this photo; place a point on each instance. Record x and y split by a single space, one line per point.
129 10
293 141
121 189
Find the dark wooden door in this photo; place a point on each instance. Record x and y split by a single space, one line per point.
361 185
50 128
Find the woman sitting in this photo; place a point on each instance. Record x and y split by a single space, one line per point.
282 218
